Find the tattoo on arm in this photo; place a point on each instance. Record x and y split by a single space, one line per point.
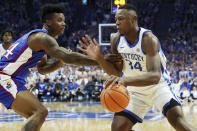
52 48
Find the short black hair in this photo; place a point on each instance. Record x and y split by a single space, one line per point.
128 7
6 31
48 9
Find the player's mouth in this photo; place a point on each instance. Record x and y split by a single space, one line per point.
62 29
119 29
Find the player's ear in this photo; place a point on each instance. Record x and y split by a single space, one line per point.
48 22
134 19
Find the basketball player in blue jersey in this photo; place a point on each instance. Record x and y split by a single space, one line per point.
27 52
143 72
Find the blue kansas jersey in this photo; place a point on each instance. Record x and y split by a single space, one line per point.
17 60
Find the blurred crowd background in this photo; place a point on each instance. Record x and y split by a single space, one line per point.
173 21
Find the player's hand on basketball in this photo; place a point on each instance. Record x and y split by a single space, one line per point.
90 47
113 58
112 81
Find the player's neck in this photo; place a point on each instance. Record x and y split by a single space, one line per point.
132 36
6 45
50 32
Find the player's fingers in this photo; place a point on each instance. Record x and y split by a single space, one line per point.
43 61
95 42
107 83
85 41
83 50
45 57
113 82
89 39
82 44
119 82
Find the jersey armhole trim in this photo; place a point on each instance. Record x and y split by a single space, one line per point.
117 43
142 40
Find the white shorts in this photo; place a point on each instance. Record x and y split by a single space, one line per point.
143 98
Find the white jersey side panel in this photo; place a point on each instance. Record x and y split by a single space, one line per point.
134 62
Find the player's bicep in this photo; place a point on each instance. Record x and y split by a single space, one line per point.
153 63
51 47
151 46
114 41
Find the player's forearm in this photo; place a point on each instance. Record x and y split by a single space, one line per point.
143 80
50 67
108 67
79 59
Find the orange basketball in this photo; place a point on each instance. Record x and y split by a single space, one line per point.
115 99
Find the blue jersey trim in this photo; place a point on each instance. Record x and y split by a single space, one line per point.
133 45
133 115
117 43
167 104
122 74
142 39
162 69
174 94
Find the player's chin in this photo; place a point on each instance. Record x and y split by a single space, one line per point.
61 32
121 33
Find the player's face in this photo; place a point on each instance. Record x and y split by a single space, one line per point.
7 37
122 21
57 23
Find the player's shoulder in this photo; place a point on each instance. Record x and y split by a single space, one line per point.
39 36
115 35
149 37
114 38
150 42
114 41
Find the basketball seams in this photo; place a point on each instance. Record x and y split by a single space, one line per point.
120 93
105 101
114 101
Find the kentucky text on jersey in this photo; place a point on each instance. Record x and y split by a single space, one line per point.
132 56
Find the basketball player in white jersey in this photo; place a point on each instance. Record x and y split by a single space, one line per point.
143 72
6 38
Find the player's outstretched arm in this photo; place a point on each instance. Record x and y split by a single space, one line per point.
92 48
42 41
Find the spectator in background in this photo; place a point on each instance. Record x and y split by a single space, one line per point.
41 88
185 84
193 94
96 94
58 89
65 94
48 93
184 95
79 95
6 38
89 87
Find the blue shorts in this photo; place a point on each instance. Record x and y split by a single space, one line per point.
9 87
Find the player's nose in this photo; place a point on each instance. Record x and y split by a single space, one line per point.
64 24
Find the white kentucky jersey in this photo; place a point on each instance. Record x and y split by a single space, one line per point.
134 58
2 50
